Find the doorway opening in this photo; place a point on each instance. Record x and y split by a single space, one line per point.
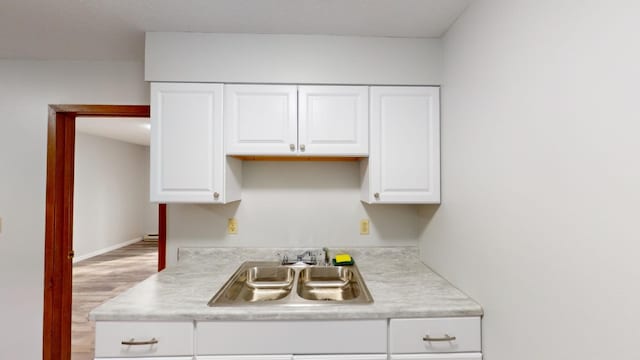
115 225
59 253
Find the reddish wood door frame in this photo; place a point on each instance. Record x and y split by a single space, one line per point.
58 248
162 236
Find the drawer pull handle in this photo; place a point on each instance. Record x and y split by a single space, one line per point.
134 342
446 337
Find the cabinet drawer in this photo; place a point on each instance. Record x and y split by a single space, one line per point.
247 357
341 357
291 337
411 335
173 338
462 356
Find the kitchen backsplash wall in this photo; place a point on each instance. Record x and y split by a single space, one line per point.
293 204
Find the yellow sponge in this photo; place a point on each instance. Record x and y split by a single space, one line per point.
343 258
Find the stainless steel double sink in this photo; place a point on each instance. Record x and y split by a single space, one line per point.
269 283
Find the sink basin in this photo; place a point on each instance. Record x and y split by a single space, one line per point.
257 284
328 284
269 283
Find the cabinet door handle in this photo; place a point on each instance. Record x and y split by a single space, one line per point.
376 195
446 337
133 341
216 195
292 147
302 147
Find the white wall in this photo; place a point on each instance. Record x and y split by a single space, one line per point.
541 174
111 194
293 204
26 88
319 59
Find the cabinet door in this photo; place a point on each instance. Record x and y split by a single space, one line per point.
149 339
186 142
291 337
247 357
149 358
333 120
260 119
404 157
461 356
341 357
408 335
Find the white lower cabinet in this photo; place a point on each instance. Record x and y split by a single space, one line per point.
149 358
435 339
297 357
462 356
144 340
341 357
291 337
246 357
395 339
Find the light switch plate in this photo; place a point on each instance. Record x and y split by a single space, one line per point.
364 227
232 226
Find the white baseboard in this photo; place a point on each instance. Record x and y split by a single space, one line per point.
105 250
150 237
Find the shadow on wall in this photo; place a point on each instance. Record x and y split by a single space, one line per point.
380 214
304 175
214 228
426 213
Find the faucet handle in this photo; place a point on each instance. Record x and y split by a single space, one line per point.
283 258
327 258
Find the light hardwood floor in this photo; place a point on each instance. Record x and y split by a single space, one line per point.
100 278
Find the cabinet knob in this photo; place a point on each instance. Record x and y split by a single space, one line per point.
302 147
292 147
216 195
377 196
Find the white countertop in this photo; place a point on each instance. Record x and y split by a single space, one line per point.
401 286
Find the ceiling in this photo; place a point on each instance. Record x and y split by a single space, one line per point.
131 130
114 29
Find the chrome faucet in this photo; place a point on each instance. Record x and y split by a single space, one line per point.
327 258
312 256
308 257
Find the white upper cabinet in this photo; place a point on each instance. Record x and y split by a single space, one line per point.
396 129
187 158
333 120
260 119
287 120
404 158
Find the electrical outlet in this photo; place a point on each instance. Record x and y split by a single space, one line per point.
232 226
364 227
